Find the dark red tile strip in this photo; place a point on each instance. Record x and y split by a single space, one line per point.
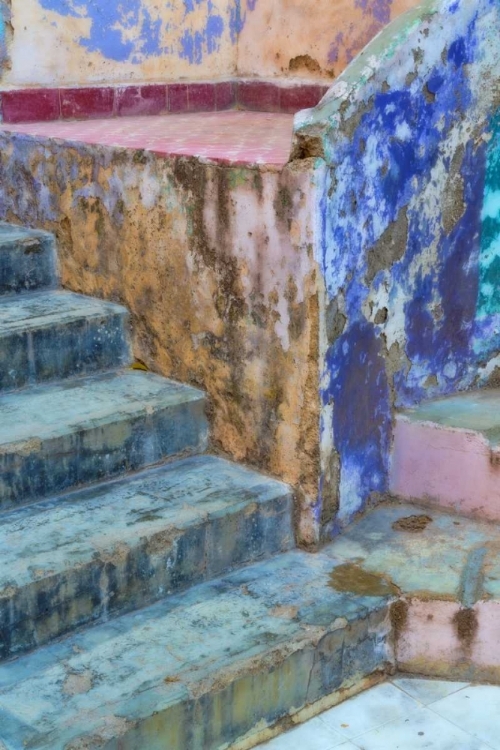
87 103
32 105
133 101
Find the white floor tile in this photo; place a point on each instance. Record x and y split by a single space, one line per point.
422 730
371 709
313 735
428 691
476 710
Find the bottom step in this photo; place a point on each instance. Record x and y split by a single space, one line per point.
200 670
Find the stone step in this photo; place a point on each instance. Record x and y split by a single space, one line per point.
446 569
55 334
220 662
58 436
119 546
27 259
447 452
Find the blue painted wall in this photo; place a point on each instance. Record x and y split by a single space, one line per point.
135 30
401 222
4 19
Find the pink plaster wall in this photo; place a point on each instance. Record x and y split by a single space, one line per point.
448 467
433 644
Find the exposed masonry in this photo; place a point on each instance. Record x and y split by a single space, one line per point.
408 235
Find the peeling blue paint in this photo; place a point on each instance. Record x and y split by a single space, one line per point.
4 17
390 155
379 9
112 22
362 413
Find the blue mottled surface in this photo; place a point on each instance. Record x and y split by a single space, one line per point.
96 553
27 260
54 334
202 668
62 435
405 134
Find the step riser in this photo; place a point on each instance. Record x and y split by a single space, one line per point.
168 562
35 469
268 693
28 264
238 708
447 467
433 644
62 351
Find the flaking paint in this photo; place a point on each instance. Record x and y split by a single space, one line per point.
406 135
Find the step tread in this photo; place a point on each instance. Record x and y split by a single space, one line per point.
12 234
53 410
27 260
43 309
437 561
47 538
98 683
477 410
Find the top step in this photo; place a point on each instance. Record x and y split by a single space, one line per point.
447 452
476 411
27 259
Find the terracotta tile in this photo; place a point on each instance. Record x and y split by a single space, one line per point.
177 97
225 95
259 96
141 100
31 105
201 97
87 103
295 98
230 137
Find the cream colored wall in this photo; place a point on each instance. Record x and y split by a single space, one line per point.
310 38
70 42
89 42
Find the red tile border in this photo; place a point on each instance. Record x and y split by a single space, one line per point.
295 98
201 97
88 102
132 101
31 105
177 97
225 94
259 96
40 105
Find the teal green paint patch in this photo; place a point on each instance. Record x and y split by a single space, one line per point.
489 260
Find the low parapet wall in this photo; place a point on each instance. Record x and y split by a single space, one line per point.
408 235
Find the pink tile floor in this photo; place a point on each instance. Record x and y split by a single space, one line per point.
232 137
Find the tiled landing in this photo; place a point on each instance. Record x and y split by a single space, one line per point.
405 714
232 137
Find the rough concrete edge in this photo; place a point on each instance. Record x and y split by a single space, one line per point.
365 74
309 712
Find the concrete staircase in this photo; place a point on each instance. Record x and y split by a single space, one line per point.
189 619
151 595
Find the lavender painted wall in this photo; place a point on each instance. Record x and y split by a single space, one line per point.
404 134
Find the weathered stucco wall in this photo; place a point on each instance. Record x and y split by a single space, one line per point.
308 40
216 266
89 42
409 241
63 42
